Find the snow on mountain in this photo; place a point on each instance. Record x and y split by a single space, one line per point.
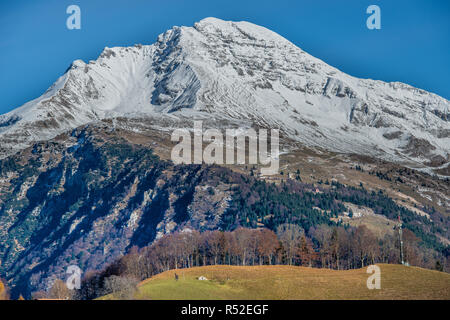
238 70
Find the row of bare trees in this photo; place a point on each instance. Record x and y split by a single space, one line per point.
350 248
323 247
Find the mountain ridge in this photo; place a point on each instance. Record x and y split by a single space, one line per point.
244 72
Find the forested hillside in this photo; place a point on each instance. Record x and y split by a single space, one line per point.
323 247
87 198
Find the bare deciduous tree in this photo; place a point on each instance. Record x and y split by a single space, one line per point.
59 291
267 243
290 236
122 288
3 291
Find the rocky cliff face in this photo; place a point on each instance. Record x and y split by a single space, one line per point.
88 199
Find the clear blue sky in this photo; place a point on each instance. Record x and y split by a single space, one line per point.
413 45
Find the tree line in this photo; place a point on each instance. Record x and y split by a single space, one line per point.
322 247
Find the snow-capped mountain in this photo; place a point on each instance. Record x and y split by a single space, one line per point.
241 71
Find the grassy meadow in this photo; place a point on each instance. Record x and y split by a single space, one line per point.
292 282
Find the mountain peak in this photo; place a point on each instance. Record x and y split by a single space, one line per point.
212 20
244 29
240 71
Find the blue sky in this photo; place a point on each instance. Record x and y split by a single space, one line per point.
413 45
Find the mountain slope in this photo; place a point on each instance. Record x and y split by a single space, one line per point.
88 196
224 70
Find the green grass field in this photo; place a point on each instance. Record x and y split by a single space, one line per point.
288 282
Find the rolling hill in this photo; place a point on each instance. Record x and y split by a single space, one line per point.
292 283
